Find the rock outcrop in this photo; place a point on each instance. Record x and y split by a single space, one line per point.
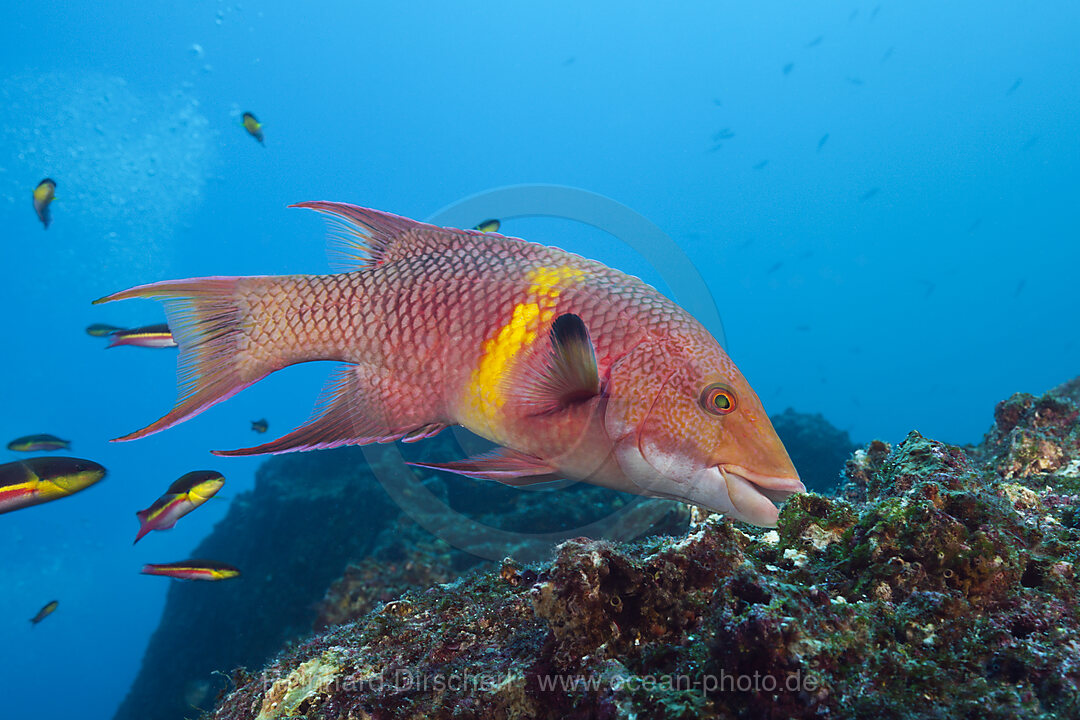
322 540
940 583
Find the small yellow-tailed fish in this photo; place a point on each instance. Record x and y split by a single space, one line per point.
260 426
43 479
187 493
45 612
193 570
44 194
576 370
491 225
149 336
42 442
102 330
253 126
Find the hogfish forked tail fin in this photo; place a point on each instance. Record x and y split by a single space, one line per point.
207 317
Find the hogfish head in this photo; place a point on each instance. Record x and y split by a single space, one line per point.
686 425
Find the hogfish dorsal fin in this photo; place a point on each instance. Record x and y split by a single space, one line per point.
364 238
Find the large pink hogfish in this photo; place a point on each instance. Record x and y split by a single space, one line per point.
576 370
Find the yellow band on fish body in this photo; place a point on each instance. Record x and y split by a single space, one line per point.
41 490
484 396
19 490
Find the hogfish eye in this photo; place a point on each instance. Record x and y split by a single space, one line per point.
718 399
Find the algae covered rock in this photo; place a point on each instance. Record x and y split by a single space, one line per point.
320 541
404 558
1034 437
939 583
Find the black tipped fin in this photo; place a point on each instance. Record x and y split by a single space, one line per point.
568 375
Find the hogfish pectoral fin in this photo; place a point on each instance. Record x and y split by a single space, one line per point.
346 414
507 466
568 375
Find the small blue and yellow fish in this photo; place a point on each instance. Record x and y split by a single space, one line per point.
253 126
44 194
491 225
149 336
42 442
193 570
43 479
45 612
187 493
260 426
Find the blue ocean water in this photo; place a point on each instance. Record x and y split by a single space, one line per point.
880 196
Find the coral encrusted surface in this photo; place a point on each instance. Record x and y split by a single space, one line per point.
939 582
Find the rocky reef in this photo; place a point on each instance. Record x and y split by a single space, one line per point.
332 520
940 582
322 541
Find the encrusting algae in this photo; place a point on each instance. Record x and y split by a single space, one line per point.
940 582
287 696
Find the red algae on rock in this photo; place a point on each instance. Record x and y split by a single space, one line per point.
939 583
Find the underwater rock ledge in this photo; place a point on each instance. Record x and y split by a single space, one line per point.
312 517
940 583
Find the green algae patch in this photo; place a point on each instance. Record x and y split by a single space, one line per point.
287 696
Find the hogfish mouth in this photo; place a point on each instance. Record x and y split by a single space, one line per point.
754 496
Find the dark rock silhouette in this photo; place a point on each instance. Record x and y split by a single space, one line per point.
815 446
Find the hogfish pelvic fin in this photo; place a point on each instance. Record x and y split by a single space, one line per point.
504 465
